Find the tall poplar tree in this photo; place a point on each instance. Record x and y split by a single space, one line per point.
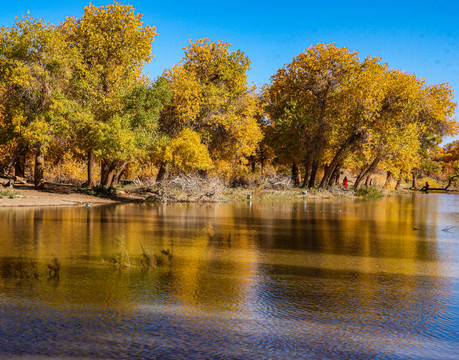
211 97
35 66
114 45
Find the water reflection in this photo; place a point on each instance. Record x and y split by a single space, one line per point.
274 280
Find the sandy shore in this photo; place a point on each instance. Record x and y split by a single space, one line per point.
52 195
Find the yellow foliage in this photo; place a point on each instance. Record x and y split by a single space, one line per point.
304 102
210 95
186 152
67 169
112 38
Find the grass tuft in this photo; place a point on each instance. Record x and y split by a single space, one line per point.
9 193
121 258
368 192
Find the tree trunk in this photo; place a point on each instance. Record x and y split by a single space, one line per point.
368 180
262 158
338 158
360 176
388 180
91 169
13 158
162 172
307 170
399 181
372 167
39 175
20 163
312 179
118 173
415 181
253 163
104 168
108 169
335 175
450 181
296 175
109 175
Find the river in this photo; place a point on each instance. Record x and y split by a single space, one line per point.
324 279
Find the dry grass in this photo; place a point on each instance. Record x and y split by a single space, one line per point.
182 189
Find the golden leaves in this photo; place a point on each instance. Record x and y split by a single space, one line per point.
112 36
211 96
186 152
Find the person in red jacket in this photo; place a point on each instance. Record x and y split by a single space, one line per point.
345 182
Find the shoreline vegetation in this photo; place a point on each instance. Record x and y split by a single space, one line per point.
183 190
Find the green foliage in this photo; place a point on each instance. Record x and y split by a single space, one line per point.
35 68
121 107
9 193
431 165
98 190
368 192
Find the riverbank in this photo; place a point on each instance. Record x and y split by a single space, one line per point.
23 195
53 195
68 195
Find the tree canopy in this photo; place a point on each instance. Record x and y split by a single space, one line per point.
78 88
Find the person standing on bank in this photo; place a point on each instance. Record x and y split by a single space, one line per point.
345 182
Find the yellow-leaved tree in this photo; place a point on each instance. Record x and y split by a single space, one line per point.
328 108
186 152
211 97
303 102
450 161
36 66
114 44
412 119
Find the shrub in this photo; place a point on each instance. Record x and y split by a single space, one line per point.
277 182
98 190
240 180
368 192
9 193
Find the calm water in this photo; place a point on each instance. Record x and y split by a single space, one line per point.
317 280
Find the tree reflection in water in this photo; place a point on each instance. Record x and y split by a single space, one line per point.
274 280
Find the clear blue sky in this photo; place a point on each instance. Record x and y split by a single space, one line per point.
420 37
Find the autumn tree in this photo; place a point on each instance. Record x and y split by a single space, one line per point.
303 98
35 65
414 118
186 152
449 159
360 100
328 107
114 45
132 133
395 124
211 97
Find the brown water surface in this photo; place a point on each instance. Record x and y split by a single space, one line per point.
312 279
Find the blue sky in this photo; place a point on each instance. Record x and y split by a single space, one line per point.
420 37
